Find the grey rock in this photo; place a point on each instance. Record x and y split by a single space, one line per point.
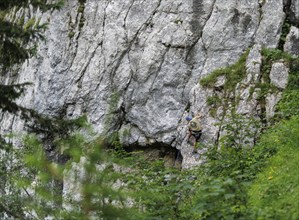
231 23
253 64
271 102
271 21
294 11
220 81
246 105
133 66
279 75
292 42
246 95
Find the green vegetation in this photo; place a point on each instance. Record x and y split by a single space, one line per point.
14 38
81 11
38 185
224 96
18 40
274 194
289 104
111 115
80 19
233 75
235 183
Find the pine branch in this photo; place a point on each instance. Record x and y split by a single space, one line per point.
7 211
42 4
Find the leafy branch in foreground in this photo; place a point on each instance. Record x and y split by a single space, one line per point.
85 187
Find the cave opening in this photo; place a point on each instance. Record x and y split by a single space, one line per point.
158 151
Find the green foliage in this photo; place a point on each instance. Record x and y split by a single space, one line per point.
55 126
214 102
10 201
15 37
224 180
293 82
227 191
80 10
71 34
273 55
42 4
23 166
274 194
224 96
49 127
225 175
8 94
219 189
233 74
112 113
289 103
18 43
270 56
18 39
285 31
218 198
240 131
156 189
88 174
215 190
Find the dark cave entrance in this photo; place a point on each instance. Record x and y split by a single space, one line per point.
159 151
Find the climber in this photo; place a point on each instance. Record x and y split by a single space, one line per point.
194 126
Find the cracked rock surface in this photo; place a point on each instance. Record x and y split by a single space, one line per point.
138 63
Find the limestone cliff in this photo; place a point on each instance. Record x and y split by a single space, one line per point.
134 66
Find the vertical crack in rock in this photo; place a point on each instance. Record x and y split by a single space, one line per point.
159 68
127 13
197 30
288 29
79 22
289 9
130 43
78 80
270 26
103 28
196 27
260 16
101 45
83 70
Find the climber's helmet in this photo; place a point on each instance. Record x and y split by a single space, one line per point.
188 118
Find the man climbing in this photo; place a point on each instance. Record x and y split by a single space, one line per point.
194 126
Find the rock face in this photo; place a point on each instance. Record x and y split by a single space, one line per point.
279 75
292 43
133 66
